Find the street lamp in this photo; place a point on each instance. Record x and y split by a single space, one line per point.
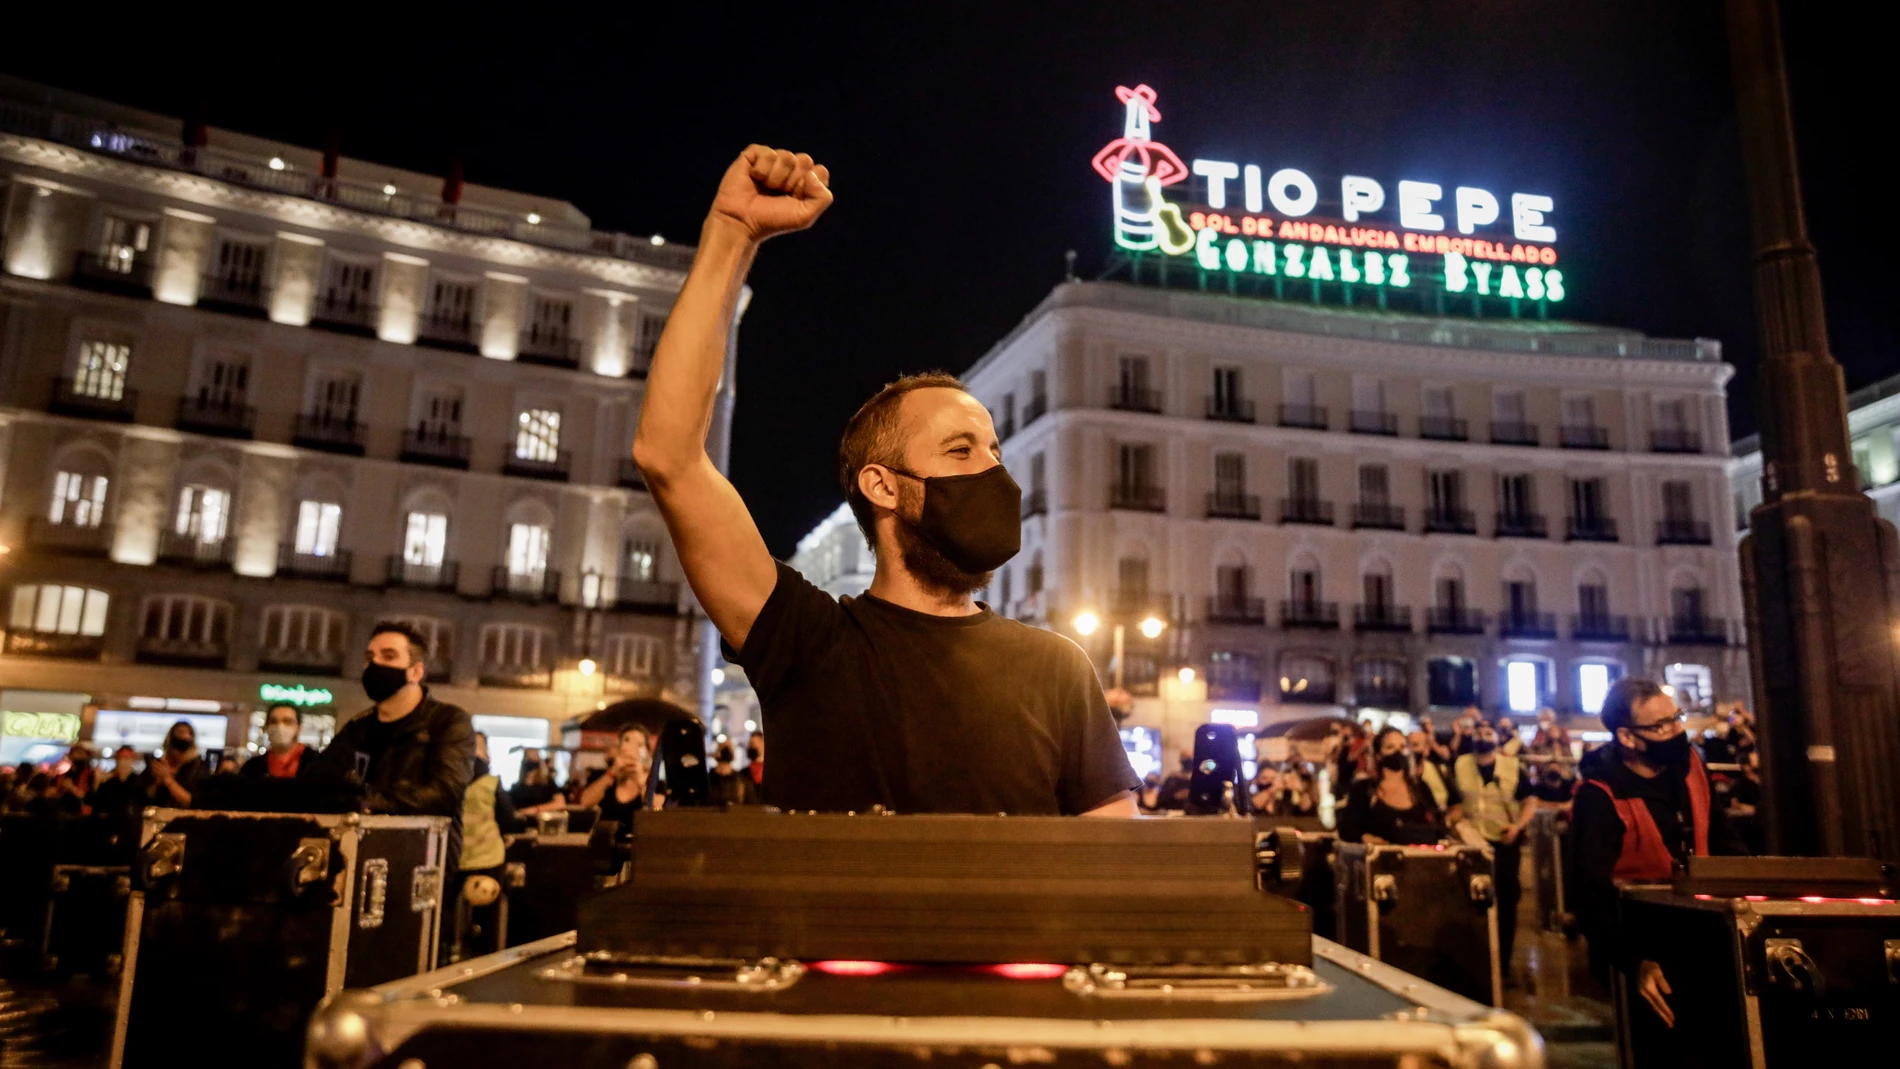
1151 627
587 666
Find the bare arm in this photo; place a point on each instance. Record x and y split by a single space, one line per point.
765 192
1122 805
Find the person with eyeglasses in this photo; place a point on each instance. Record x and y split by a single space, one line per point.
1642 806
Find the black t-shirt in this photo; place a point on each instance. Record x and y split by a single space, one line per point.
868 703
1367 813
375 740
621 813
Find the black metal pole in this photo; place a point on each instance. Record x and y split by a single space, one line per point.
1820 568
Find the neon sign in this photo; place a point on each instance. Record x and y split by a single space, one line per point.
59 727
294 695
1418 240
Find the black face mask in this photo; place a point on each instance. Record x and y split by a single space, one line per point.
1482 746
1392 762
753 754
975 521
481 767
1672 754
179 743
382 681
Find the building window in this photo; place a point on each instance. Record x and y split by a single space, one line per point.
1374 485
647 328
306 629
1526 685
1378 592
1228 398
1302 479
1230 476
1678 502
528 549
1593 685
1233 675
1034 579
440 413
1438 403
451 304
1693 685
203 513
1586 503
1593 601
333 398
185 618
548 320
1517 496
101 370
517 646
1451 682
1445 492
53 609
1451 594
122 242
238 268
440 641
1038 470
1509 407
1382 682
538 435
1306 677
223 383
317 526
1132 575
425 538
640 557
79 500
349 287
632 656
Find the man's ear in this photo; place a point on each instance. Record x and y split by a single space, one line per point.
878 485
416 671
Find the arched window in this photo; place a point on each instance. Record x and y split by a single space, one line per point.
52 609
1306 678
440 636
633 657
1382 683
1451 682
302 636
517 655
184 628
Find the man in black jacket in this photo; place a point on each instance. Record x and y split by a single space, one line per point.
413 754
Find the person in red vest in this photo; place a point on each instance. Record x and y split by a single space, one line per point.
1642 806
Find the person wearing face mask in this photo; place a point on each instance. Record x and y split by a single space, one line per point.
621 790
411 753
1499 803
1393 806
913 697
1643 805
172 774
755 759
726 785
1432 772
115 794
283 757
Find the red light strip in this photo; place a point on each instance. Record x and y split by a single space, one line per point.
854 968
1028 970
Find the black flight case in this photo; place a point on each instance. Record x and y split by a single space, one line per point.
1430 910
761 939
1771 961
243 922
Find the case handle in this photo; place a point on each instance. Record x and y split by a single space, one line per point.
374 894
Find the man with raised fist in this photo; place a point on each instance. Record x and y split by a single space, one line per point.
914 697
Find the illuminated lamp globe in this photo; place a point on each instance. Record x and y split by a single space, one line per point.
276 163
1152 626
534 218
718 676
657 240
1086 623
389 190
1186 675
587 666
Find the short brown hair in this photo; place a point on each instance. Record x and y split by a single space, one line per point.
873 436
1619 705
418 643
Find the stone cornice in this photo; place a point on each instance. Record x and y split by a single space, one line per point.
317 216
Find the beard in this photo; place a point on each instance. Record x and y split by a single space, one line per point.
921 559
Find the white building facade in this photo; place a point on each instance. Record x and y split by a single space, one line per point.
253 400
1336 509
834 557
1873 428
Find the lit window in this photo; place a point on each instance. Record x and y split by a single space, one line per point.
425 538
538 435
79 500
317 523
1593 684
203 512
59 610
101 370
1520 686
641 556
527 549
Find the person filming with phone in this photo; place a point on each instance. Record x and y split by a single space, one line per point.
914 697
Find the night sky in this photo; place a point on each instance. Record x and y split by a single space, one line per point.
959 136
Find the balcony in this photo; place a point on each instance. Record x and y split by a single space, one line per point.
433 445
416 575
1682 533
630 477
1698 631
1521 525
516 676
1036 503
454 332
1572 437
1229 410
1037 407
1137 498
333 566
1236 609
1133 605
1450 521
345 312
544 585
1674 440
645 595
53 644
1306 692
1306 510
1128 398
183 652
1516 623
192 551
553 469
220 416
1589 529
1381 616
1453 620
1300 612
1226 506
1365 422
298 661
1511 432
1443 429
549 350
1600 627
93 403
1304 417
233 293
90 540
129 275
1378 517
332 434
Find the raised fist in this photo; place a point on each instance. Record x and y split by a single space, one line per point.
771 191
